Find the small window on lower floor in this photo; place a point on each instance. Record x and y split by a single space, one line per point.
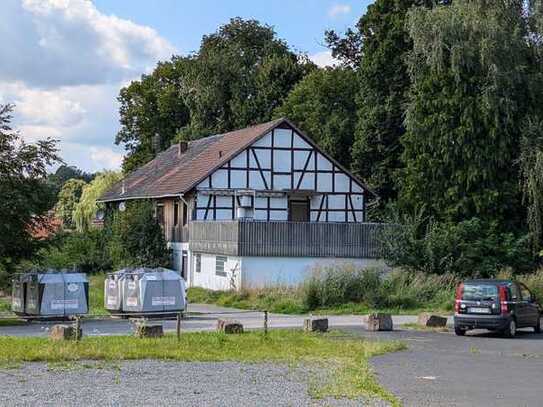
198 262
220 262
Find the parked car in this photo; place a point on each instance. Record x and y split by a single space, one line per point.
496 305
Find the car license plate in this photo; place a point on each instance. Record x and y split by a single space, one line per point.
479 310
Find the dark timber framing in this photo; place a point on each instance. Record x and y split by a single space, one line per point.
251 164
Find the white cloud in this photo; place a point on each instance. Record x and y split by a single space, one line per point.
106 158
52 43
324 58
338 9
67 62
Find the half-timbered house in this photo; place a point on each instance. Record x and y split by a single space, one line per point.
257 206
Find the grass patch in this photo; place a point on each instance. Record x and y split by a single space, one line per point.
96 294
346 358
5 305
274 299
417 327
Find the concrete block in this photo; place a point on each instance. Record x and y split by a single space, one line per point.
229 326
149 331
64 333
316 324
379 322
433 321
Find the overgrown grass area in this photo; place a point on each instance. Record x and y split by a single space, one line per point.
343 356
343 290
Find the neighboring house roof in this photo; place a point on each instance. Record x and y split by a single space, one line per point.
171 173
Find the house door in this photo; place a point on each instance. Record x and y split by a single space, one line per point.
298 210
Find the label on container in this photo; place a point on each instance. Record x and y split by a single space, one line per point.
131 285
132 301
72 287
112 284
162 301
111 300
64 304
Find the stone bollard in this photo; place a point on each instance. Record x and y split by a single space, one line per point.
229 326
379 322
433 321
316 324
64 333
148 331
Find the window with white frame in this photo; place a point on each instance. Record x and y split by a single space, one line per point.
220 263
198 262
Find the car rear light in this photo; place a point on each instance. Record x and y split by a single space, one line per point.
458 298
503 299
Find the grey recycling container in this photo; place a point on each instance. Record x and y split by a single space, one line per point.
57 294
113 290
147 291
18 293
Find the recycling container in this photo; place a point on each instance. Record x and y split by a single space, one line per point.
147 291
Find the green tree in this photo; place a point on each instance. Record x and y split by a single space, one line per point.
85 210
377 48
152 110
25 195
135 238
67 199
469 96
64 173
237 78
323 105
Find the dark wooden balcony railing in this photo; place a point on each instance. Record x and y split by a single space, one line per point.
288 239
179 234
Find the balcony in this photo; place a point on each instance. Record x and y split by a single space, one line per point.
286 239
178 234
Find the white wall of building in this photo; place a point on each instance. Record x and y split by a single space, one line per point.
290 271
253 272
207 276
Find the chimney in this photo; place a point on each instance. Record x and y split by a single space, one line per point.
123 188
156 143
183 146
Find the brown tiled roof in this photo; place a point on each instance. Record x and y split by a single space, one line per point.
171 174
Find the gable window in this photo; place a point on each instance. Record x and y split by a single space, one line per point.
198 262
159 214
220 262
185 214
176 213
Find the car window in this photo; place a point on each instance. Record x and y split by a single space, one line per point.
525 293
515 292
480 292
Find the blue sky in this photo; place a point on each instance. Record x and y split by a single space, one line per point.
69 58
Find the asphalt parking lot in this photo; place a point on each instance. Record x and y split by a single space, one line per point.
480 369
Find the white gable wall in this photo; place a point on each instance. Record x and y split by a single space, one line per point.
282 160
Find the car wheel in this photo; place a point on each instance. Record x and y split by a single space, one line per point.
511 329
459 331
537 327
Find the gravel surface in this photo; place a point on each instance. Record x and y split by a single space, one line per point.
151 382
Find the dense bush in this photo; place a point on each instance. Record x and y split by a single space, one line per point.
471 248
135 238
86 252
130 238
